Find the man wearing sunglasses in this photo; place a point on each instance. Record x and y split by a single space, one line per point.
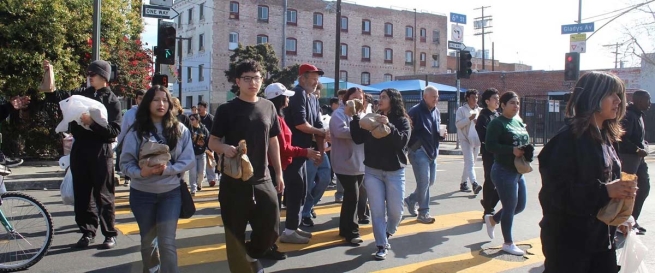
91 158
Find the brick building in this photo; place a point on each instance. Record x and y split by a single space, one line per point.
377 44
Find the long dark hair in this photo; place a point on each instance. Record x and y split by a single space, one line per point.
279 104
349 93
395 103
143 125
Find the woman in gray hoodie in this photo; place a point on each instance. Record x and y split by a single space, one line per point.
347 160
155 197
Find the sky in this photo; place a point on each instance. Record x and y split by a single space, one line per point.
529 31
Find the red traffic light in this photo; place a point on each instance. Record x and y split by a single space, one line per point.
569 59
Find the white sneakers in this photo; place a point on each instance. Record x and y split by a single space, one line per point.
490 226
513 249
509 248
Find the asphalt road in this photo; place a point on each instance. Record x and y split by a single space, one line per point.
455 243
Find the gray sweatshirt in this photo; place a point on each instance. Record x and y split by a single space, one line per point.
347 158
182 155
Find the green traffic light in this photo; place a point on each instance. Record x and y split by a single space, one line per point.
168 53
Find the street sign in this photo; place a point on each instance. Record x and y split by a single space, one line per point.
457 18
579 43
457 33
156 12
578 28
164 3
455 45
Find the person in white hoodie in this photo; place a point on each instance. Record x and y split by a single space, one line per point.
465 120
348 164
128 119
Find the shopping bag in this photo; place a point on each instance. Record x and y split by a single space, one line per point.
66 189
632 255
72 108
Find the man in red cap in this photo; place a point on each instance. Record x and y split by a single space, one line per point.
304 118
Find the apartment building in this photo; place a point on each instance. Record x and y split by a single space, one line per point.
377 44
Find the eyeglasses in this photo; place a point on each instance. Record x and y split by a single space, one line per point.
91 74
250 79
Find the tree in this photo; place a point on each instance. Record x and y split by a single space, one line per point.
262 53
639 33
286 76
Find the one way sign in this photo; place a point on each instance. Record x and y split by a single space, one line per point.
156 12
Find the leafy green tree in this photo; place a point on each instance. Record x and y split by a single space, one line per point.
286 76
262 53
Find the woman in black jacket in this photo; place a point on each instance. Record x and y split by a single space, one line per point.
385 160
576 166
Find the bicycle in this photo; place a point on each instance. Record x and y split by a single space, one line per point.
20 214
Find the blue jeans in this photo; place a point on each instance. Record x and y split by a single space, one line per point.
385 196
510 186
210 173
315 190
196 174
157 215
425 173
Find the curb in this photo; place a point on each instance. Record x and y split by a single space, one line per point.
450 152
49 184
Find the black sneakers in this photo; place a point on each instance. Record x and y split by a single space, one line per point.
464 187
274 254
109 243
307 222
476 188
85 241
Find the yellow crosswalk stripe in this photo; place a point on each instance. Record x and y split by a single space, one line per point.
473 262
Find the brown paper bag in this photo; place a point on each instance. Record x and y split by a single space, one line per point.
617 211
48 82
153 154
237 167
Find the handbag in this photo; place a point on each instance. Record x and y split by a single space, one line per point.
237 167
522 165
617 211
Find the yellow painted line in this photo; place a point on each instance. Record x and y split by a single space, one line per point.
472 262
216 252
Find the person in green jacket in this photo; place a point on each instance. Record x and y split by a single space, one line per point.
506 135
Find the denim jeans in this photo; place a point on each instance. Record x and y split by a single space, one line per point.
196 174
425 172
385 196
157 215
316 188
210 173
470 155
512 192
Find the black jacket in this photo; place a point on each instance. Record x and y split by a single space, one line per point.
571 194
97 133
633 124
481 125
388 153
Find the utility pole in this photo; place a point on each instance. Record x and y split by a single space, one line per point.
157 63
284 35
414 37
180 79
96 30
616 54
483 21
493 58
337 49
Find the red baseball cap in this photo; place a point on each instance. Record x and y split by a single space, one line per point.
304 68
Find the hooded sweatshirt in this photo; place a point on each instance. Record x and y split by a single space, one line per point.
463 123
347 158
182 154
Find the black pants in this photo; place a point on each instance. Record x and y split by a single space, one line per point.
489 194
561 258
295 179
92 167
243 204
643 182
363 211
271 170
348 226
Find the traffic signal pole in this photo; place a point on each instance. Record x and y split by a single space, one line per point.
96 30
157 63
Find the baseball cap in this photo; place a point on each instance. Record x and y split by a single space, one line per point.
304 68
277 89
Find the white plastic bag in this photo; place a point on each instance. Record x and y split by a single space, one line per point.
67 193
631 256
75 106
473 138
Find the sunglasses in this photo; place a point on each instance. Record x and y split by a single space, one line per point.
91 74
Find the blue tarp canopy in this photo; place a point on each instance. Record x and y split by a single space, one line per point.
414 85
329 82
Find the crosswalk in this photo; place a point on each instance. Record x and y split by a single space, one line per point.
476 260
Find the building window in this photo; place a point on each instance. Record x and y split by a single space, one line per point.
388 30
201 11
317 49
409 57
234 10
234 41
343 75
388 55
344 23
201 76
201 42
435 60
318 20
190 20
344 51
435 37
409 33
179 21
189 102
291 46
366 27
188 74
189 44
262 39
366 54
388 77
424 34
292 17
366 78
262 14
423 58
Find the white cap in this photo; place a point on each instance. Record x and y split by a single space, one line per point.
277 89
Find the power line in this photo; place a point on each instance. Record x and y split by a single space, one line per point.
611 12
622 13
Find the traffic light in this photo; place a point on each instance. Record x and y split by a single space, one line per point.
572 66
160 79
464 70
166 43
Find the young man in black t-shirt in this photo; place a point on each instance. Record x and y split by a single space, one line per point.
253 202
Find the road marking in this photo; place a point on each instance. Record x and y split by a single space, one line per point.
409 226
473 262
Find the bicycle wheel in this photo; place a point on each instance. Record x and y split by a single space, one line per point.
31 236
